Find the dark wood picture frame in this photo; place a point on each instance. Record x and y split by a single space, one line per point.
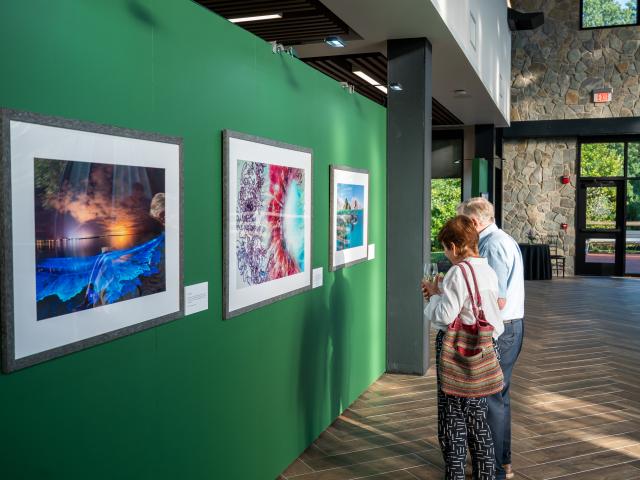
227 135
332 211
9 362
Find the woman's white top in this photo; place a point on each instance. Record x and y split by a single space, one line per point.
444 308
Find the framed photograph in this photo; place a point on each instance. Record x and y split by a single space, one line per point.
267 198
349 221
91 235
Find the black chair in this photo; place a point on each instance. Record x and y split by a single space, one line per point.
558 259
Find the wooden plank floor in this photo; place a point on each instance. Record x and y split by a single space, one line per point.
575 400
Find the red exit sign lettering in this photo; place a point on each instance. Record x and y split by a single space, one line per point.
602 96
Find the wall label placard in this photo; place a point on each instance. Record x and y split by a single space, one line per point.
196 298
317 280
371 252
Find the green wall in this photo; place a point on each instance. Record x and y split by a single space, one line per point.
198 398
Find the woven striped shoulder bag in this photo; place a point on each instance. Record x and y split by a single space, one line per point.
469 365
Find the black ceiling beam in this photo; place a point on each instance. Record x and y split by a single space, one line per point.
573 128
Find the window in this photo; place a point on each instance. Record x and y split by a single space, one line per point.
601 208
602 160
473 31
634 160
632 252
446 186
608 13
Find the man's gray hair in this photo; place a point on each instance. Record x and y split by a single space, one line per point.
478 207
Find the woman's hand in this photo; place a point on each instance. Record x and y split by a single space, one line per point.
431 288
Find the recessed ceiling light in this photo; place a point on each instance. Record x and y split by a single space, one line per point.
395 86
335 41
370 80
256 18
460 93
366 77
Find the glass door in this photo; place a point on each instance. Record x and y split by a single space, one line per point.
632 213
600 234
601 207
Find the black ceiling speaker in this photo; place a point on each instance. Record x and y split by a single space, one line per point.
524 21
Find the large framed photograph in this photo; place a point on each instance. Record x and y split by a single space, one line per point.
349 222
91 235
267 196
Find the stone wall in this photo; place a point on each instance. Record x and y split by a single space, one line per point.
556 67
534 197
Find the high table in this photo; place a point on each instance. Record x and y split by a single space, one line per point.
537 261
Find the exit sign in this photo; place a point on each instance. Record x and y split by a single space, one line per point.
602 96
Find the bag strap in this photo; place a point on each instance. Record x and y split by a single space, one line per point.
466 280
475 283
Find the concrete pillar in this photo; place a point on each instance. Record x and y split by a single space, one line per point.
409 203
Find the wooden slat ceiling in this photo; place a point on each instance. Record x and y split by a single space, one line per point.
303 21
341 68
309 21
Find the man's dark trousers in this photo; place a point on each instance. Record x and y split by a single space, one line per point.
510 344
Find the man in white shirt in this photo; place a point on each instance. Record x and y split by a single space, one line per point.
504 256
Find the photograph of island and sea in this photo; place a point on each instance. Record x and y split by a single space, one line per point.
349 216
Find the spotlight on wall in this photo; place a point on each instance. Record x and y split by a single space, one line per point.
395 86
348 87
256 18
335 41
279 48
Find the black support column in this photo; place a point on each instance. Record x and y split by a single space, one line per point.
408 203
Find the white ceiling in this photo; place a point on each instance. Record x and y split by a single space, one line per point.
380 20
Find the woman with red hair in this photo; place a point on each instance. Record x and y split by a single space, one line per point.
463 420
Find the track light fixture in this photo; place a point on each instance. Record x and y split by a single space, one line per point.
335 41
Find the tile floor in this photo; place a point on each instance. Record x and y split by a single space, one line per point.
576 399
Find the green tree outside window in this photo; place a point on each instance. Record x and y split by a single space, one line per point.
445 197
607 13
601 160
